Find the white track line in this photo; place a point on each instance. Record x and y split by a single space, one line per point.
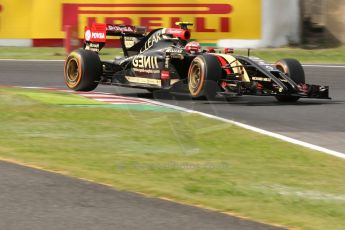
261 131
325 66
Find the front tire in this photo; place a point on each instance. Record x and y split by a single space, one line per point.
203 74
294 70
82 70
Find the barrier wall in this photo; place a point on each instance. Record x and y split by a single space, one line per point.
44 21
335 19
234 23
280 26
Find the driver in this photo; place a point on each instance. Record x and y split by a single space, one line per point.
193 48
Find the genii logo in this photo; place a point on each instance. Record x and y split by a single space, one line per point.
145 62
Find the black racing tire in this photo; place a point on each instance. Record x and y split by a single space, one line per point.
82 70
152 90
203 76
294 70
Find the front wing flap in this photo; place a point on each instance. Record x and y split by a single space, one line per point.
312 91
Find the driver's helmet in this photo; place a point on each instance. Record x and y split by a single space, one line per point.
193 48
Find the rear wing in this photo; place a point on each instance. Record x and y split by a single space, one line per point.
132 38
98 32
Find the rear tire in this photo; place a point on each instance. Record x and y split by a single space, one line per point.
152 90
203 74
294 70
82 70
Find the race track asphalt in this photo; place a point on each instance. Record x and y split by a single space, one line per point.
33 198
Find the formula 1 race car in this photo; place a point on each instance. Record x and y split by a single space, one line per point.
164 58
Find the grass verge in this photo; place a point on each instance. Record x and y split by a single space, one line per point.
306 56
177 155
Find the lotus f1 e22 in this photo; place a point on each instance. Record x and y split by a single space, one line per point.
165 58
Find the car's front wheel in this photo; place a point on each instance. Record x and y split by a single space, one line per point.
203 74
82 70
294 70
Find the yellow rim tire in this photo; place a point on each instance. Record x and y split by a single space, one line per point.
82 70
203 75
294 70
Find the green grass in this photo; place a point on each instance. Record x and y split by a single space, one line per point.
327 56
50 97
180 156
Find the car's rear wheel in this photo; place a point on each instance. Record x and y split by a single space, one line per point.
294 70
152 90
203 74
82 70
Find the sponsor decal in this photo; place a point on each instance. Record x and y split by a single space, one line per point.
156 37
173 31
261 79
212 20
116 28
150 81
72 11
88 35
144 80
166 63
93 46
145 62
150 71
216 20
261 62
174 50
269 67
0 15
129 42
97 35
165 75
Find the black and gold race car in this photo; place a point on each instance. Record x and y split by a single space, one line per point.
165 58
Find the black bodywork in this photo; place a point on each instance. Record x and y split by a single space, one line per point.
147 56
146 59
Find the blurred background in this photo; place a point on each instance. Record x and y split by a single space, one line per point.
323 22
224 23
